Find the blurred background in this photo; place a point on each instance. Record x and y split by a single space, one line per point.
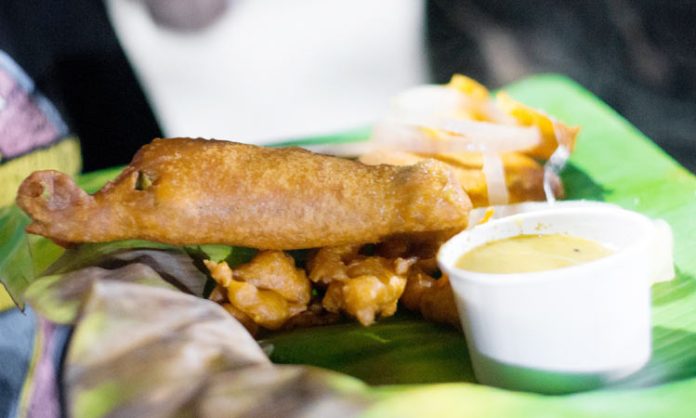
121 72
265 70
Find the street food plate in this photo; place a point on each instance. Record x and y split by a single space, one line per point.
410 367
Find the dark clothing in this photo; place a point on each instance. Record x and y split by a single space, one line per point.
637 55
71 51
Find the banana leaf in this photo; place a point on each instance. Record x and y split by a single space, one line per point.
422 369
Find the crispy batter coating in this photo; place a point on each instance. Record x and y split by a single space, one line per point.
275 270
365 297
433 298
329 263
268 290
523 175
423 247
364 287
185 191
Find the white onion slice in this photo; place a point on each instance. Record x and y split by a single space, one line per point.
386 135
456 136
494 171
434 107
556 163
488 136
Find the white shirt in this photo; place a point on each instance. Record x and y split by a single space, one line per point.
276 69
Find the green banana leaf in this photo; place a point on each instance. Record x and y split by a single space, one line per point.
422 369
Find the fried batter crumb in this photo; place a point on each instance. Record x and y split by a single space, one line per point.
365 297
269 289
275 270
433 298
363 287
329 263
269 292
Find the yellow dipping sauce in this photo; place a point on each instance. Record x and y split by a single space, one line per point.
529 253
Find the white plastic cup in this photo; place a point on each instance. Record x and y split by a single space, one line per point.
568 329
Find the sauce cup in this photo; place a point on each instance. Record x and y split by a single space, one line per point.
569 329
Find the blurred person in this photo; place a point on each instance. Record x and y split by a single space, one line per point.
268 70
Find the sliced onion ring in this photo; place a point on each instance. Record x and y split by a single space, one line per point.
494 171
460 136
487 136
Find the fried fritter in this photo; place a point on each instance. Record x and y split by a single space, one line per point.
275 270
185 191
365 297
329 263
364 287
268 290
433 298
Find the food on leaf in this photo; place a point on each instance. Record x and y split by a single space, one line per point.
433 298
364 287
268 290
367 231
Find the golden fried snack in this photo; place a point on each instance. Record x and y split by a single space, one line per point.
366 296
329 263
184 191
423 247
433 298
268 290
265 307
524 177
275 270
363 287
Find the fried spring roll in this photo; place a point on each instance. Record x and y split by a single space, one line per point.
185 191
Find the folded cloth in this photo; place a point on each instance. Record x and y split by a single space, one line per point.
31 351
32 134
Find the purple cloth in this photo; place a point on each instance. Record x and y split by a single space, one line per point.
43 397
